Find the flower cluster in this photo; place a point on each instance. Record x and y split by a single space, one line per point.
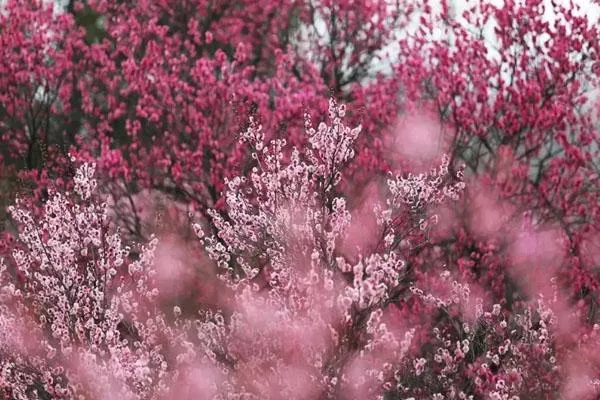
79 309
471 352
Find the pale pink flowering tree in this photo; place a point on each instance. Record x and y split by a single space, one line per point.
319 317
80 310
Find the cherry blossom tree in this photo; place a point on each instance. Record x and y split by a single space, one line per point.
279 246
75 309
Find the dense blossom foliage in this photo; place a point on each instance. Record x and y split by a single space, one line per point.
279 251
522 115
122 83
75 310
436 236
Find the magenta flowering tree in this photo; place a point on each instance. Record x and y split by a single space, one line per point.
155 93
521 115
